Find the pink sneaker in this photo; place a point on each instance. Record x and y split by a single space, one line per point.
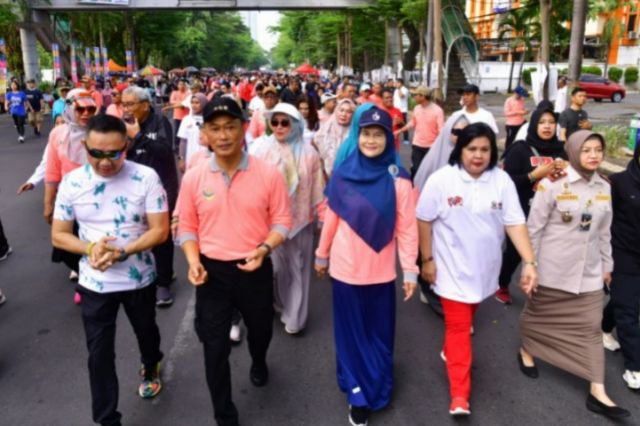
77 299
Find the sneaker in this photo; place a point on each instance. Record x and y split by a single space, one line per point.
259 374
423 298
77 298
6 254
610 342
291 331
442 356
21 139
632 378
163 297
503 296
358 416
3 298
151 384
459 407
73 276
235 334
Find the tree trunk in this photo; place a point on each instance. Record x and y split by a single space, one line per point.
522 57
545 21
438 55
409 57
513 65
577 40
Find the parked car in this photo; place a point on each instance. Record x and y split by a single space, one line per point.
600 88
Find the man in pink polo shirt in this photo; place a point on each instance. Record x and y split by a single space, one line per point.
427 120
514 113
234 210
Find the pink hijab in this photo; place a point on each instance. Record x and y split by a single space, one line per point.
330 136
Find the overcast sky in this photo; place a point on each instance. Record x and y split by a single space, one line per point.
264 20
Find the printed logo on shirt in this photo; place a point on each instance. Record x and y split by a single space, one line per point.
152 136
208 194
496 205
455 201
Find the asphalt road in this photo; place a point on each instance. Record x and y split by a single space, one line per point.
44 381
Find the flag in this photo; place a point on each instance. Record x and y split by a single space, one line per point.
3 67
74 66
56 61
97 58
129 61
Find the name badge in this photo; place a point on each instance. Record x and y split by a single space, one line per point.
566 197
603 197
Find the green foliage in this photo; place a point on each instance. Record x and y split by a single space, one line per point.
615 74
592 69
10 32
45 87
526 75
563 71
616 137
631 75
171 39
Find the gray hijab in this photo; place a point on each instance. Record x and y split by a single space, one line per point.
438 155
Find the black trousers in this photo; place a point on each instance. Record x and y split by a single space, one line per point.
417 154
510 262
163 253
406 133
4 244
71 260
99 313
512 131
228 289
176 141
19 121
625 299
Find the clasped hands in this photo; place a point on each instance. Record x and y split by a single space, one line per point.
102 255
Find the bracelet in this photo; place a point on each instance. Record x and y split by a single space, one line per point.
90 247
267 246
532 263
428 259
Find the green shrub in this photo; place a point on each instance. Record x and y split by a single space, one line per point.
563 71
631 75
45 87
592 69
615 74
526 75
616 137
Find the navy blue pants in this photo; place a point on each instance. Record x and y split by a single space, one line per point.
625 299
364 319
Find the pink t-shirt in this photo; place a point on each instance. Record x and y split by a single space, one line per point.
230 217
514 111
58 164
177 97
352 261
427 123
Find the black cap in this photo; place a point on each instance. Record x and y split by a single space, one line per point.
222 105
469 88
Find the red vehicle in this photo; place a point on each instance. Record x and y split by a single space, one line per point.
600 88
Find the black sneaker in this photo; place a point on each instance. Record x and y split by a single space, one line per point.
5 253
259 375
163 297
359 416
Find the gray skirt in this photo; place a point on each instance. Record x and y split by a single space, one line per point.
564 329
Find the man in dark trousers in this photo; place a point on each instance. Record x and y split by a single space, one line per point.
152 142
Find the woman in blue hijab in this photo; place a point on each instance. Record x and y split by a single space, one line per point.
370 221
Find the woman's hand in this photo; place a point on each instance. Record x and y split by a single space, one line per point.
529 279
606 277
321 270
409 288
543 170
428 272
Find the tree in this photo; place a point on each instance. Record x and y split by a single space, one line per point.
577 38
517 23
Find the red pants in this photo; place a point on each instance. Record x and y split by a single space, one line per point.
458 318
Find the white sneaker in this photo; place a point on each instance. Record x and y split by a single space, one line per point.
442 357
6 254
235 334
73 276
632 378
423 298
610 342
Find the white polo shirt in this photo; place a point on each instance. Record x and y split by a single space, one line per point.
190 130
469 216
482 116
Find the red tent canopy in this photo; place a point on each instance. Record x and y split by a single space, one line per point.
307 69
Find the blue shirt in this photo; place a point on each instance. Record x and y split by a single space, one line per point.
16 103
58 108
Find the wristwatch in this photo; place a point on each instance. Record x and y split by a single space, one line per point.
122 256
267 246
532 263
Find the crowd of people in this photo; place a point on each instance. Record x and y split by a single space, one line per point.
250 167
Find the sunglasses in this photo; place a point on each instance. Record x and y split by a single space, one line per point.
89 109
115 93
109 155
283 123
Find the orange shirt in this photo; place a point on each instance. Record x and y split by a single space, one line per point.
115 110
177 97
58 164
229 218
427 123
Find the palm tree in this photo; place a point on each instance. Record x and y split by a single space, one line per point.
517 24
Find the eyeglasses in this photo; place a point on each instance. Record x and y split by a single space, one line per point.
129 104
109 155
90 109
283 123
115 93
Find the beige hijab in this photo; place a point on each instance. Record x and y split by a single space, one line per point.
573 147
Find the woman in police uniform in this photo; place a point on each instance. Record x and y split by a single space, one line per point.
569 226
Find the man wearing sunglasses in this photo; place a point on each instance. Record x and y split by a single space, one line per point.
121 209
152 146
234 210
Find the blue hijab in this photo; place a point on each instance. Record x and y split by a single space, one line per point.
362 190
